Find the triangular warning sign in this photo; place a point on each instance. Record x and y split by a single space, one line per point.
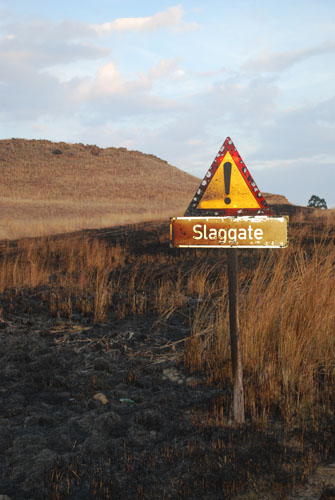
228 188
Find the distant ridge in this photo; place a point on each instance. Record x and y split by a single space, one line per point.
36 169
276 199
49 187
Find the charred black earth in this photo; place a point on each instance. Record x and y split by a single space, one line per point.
108 411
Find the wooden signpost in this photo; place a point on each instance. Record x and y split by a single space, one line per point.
228 211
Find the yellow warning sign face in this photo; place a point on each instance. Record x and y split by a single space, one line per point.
227 189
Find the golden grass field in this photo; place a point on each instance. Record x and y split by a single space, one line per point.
56 187
48 188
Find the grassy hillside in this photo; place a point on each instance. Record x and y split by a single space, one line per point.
49 187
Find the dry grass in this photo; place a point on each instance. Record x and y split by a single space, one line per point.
287 314
287 309
48 219
49 188
287 327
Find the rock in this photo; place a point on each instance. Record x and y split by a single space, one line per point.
100 397
193 381
173 375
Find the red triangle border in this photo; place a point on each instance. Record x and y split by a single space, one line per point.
263 209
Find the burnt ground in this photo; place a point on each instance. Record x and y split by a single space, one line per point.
108 411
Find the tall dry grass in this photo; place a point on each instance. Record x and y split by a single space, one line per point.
287 309
24 219
287 324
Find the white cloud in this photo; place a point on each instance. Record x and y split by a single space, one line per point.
171 17
108 82
40 44
7 37
276 62
164 68
34 54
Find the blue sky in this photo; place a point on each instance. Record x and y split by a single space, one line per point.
175 79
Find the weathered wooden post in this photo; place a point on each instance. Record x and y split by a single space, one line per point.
229 211
235 340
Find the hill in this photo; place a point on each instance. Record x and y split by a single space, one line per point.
48 187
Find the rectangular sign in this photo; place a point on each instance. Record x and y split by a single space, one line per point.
218 232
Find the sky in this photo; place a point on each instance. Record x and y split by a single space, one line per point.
175 79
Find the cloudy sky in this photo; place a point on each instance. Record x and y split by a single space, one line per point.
175 79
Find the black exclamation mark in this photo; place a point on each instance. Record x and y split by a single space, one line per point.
227 176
